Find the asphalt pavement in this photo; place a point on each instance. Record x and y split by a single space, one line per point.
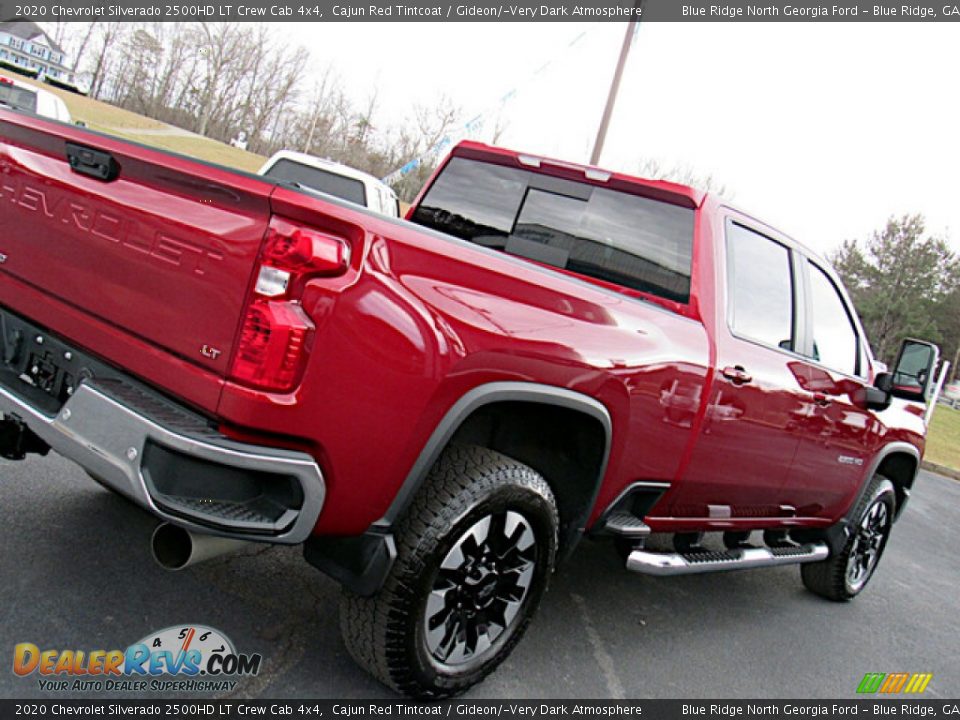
75 572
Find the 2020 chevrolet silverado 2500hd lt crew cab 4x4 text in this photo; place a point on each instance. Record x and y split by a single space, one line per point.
439 409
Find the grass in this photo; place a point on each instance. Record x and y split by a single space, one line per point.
943 438
112 120
96 114
198 147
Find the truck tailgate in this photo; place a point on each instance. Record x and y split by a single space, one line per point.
163 251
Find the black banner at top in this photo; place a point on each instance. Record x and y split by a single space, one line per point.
478 11
400 709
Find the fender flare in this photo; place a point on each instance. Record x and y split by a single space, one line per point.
903 448
362 563
488 394
837 534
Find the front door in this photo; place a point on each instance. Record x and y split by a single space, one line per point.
839 435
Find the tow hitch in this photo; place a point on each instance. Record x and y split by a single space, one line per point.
16 440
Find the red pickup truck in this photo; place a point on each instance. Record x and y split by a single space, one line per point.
439 408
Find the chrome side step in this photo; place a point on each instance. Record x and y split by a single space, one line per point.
659 563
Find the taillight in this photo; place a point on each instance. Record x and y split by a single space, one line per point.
292 252
272 345
300 249
275 330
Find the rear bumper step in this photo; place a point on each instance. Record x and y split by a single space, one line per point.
626 524
658 563
172 463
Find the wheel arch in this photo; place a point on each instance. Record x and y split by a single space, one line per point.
362 563
899 463
571 451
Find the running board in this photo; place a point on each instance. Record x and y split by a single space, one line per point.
703 561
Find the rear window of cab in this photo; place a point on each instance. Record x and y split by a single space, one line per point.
617 237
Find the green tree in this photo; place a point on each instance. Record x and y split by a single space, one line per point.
900 280
950 330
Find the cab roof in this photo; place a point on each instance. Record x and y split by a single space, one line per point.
659 189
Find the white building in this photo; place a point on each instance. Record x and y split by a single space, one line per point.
24 44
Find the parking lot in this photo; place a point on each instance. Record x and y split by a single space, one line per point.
77 573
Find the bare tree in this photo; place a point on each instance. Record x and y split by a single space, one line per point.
500 126
364 119
73 38
58 31
220 78
223 50
422 142
109 34
178 53
78 52
135 86
274 85
682 174
320 114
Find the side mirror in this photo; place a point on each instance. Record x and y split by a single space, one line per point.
912 376
876 397
884 381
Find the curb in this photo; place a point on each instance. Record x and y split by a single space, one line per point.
941 470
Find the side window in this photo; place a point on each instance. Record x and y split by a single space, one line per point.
760 288
834 337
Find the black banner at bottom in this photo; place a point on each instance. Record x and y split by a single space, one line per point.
539 709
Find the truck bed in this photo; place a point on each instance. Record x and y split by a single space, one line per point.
149 267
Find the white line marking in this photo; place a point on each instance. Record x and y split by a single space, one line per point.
600 654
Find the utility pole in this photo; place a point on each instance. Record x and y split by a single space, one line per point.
614 87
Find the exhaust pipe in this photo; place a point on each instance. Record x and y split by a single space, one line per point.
175 548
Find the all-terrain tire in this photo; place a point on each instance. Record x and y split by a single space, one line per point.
387 634
836 578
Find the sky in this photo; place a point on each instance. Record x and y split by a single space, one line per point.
823 130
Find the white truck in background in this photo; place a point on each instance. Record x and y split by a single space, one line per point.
326 176
19 95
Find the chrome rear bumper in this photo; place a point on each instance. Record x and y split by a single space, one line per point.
129 437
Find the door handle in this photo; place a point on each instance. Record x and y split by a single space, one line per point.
95 163
737 375
821 399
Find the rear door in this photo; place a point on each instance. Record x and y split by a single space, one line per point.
163 249
752 427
